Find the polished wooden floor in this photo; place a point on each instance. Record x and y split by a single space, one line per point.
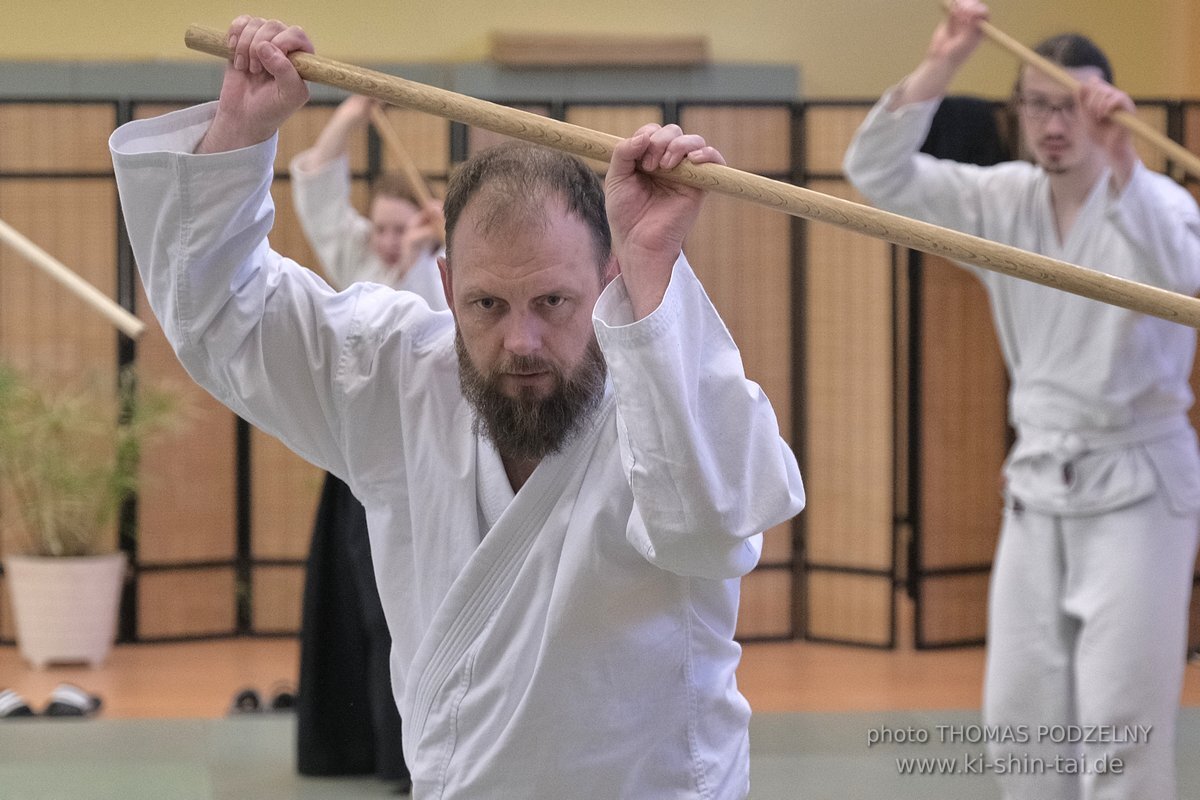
199 679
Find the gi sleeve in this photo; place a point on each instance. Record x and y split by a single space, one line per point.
885 164
337 232
700 444
1161 220
266 337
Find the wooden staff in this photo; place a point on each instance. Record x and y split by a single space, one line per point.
785 197
1131 122
127 323
392 141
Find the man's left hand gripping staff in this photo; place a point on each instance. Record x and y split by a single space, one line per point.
649 216
261 88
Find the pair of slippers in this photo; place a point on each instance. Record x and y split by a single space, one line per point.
67 700
249 701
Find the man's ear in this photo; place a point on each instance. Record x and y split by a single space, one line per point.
447 282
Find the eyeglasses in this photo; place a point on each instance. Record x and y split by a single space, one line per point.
1039 109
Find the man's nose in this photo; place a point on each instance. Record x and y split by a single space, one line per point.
523 333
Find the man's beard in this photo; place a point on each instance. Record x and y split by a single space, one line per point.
525 427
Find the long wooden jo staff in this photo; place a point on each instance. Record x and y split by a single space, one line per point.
1131 122
785 197
127 323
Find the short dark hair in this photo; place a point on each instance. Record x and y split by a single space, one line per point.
393 184
514 179
1073 50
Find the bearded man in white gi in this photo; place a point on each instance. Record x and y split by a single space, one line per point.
1092 576
564 480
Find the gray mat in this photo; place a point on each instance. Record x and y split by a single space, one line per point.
793 757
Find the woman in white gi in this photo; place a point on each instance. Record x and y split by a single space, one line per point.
1092 576
564 480
396 243
346 722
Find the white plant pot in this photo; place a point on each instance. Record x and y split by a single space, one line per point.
65 608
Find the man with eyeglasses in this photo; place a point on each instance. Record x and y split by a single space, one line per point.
1090 587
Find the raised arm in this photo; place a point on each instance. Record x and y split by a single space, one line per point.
954 39
268 338
334 140
701 444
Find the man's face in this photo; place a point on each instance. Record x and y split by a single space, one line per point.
522 297
1056 132
391 217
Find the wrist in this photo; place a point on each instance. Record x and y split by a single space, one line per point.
220 138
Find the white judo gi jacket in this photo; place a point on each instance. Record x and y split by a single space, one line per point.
1093 386
573 640
341 236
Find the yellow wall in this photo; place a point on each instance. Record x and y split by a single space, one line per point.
844 48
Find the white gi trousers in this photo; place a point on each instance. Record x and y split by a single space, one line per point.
1088 625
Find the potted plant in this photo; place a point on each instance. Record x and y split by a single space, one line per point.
68 462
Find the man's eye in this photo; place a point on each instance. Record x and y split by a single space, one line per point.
554 300
486 303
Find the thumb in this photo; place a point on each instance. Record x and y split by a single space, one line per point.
626 154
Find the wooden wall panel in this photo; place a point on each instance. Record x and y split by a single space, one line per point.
56 137
766 605
752 138
963 428
181 603
44 328
187 511
827 133
742 253
848 309
284 489
850 431
148 110
617 120
956 609
276 599
777 546
845 607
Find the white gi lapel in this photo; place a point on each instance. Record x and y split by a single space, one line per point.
488 576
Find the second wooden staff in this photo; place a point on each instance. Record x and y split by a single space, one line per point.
791 199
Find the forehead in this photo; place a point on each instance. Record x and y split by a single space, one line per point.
538 248
1034 81
386 208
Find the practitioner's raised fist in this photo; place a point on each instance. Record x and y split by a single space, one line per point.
650 217
261 87
958 34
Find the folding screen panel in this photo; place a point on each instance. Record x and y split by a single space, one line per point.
56 190
743 255
848 313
